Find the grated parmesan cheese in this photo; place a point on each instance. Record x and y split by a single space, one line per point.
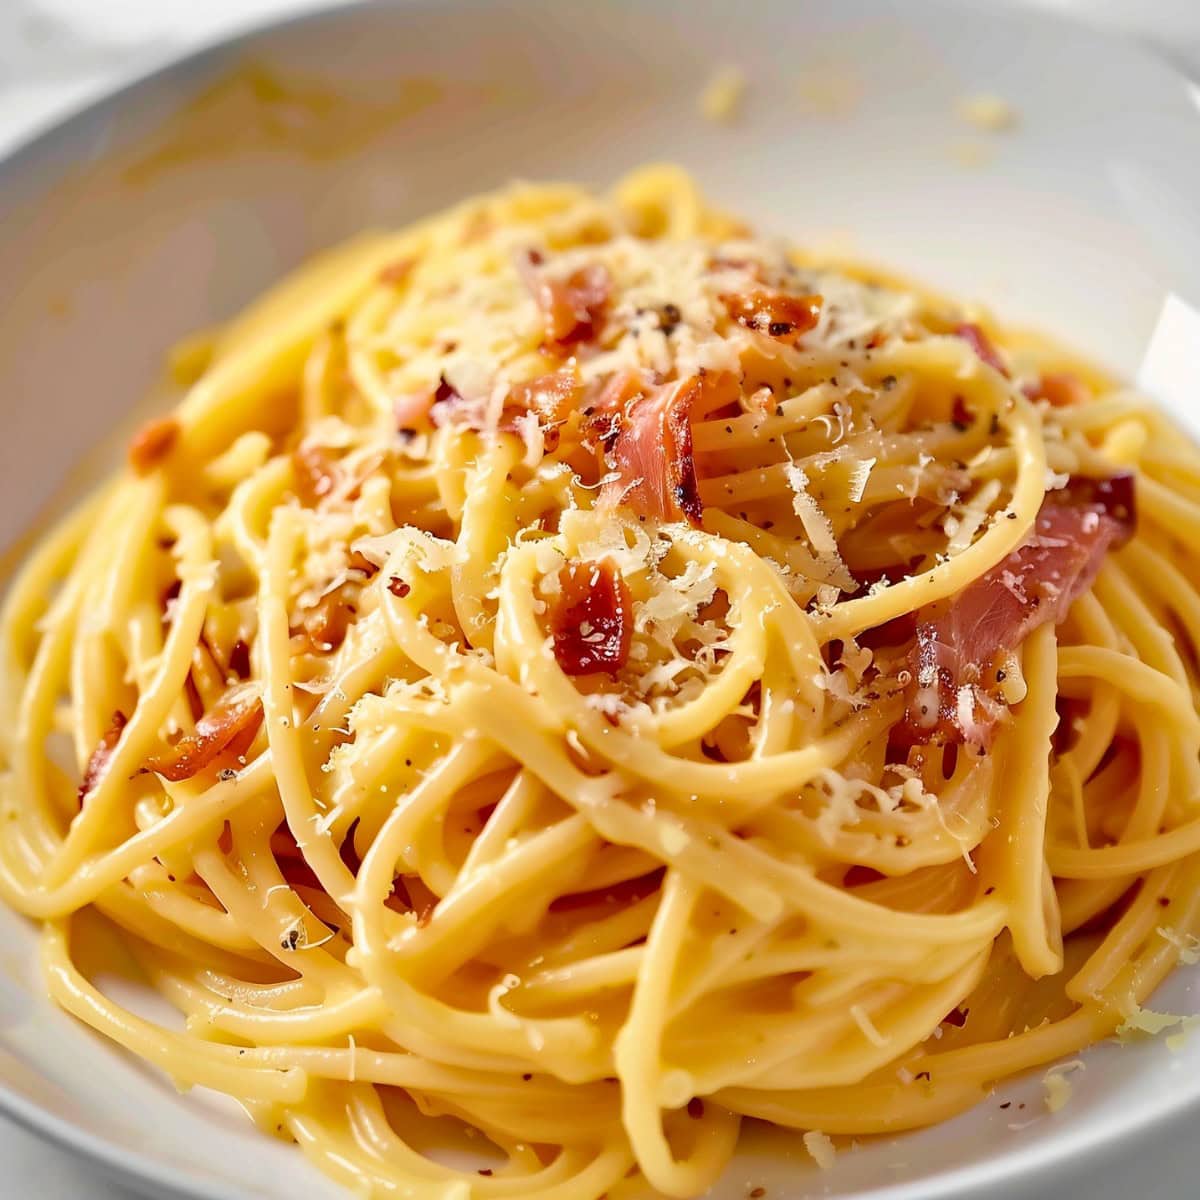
823 1152
1148 1022
817 527
858 479
430 554
870 1030
1187 944
1058 1087
673 839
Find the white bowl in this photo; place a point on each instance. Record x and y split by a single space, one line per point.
1080 220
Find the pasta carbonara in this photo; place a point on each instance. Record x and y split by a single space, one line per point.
577 671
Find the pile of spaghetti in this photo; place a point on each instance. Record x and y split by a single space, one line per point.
581 673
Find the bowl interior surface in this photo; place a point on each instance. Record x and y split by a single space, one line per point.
124 230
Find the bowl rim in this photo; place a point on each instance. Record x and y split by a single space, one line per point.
988 1179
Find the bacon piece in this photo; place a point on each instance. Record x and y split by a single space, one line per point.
1061 390
652 454
98 760
780 316
152 443
606 404
553 397
227 728
648 431
571 307
958 638
979 341
327 621
411 410
592 621
415 411
316 472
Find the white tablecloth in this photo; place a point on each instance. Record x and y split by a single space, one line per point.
55 54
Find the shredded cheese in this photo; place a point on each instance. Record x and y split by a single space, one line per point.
823 1151
1058 1087
817 527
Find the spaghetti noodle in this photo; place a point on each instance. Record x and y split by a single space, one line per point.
575 669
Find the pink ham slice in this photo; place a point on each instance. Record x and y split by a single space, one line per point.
570 308
959 638
651 445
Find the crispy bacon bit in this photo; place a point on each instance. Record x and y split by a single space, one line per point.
97 763
327 621
152 443
398 587
957 639
592 622
227 728
979 341
1062 390
780 316
316 472
570 307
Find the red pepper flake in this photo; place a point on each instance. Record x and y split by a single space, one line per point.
782 317
979 341
695 1108
97 763
956 1017
227 728
398 587
152 443
592 622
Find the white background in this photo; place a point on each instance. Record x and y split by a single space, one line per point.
55 54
